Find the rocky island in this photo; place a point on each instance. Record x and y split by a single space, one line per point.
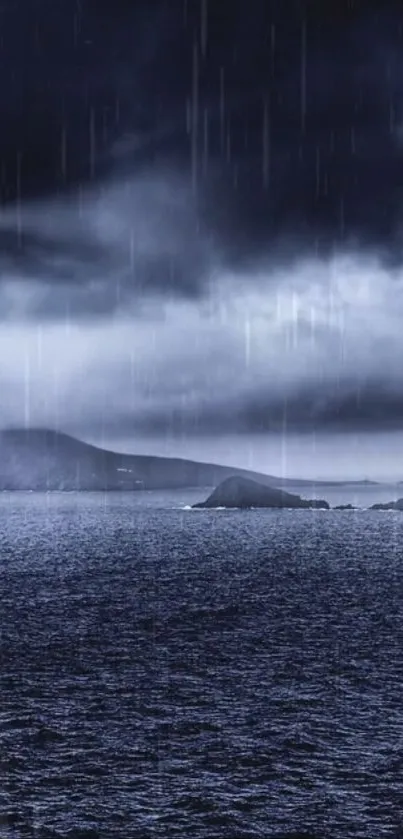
390 505
244 493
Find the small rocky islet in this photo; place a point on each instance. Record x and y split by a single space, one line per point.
390 505
244 493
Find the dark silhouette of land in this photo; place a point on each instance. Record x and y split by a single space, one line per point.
42 459
389 505
245 493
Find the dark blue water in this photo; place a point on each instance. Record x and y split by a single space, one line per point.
167 673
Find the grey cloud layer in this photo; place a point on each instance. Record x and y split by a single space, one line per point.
319 347
103 248
235 266
277 178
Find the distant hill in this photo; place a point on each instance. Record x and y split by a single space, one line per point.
42 459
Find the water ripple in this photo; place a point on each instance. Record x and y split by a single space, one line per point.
164 674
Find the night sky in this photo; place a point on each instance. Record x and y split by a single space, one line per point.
201 242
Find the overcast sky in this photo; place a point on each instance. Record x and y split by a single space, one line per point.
201 229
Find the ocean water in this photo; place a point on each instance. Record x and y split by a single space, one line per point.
175 673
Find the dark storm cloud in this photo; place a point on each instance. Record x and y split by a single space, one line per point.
73 75
319 351
354 408
334 160
91 255
288 122
201 220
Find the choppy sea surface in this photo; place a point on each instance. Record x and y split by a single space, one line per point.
175 673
